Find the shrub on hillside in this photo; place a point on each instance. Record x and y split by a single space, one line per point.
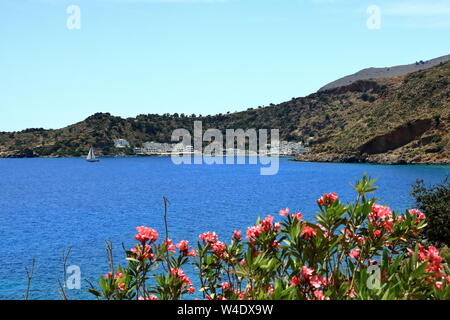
435 201
352 251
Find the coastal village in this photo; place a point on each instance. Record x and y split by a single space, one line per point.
152 148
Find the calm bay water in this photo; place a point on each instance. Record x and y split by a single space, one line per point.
48 205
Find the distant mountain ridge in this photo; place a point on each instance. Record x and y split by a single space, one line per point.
377 73
403 119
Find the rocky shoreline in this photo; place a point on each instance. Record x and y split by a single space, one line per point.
384 159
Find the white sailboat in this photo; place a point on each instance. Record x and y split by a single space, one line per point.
91 156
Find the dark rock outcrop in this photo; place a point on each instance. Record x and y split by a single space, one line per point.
397 138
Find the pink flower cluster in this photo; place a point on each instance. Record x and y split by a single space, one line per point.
356 237
419 215
179 274
327 199
355 253
219 248
266 225
313 282
434 265
296 216
308 232
237 235
118 275
210 237
381 216
143 252
185 249
146 234
225 286
169 245
150 297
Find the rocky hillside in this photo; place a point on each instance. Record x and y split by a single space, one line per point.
403 119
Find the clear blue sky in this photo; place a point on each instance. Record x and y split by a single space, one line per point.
195 56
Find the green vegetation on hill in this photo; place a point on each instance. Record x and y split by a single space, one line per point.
364 121
435 202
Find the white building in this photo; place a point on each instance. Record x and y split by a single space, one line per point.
291 148
121 143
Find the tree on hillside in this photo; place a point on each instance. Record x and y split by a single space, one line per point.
435 202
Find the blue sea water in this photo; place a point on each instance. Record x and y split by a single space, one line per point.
49 205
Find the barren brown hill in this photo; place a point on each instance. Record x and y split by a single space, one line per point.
376 73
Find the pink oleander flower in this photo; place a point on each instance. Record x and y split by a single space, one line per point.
308 232
388 224
178 273
143 252
192 253
183 245
146 234
320 296
225 286
219 247
317 281
325 232
327 199
254 232
354 253
267 223
295 281
121 286
276 245
351 293
169 245
276 226
434 266
306 272
297 216
377 233
184 248
237 235
419 215
270 290
209 237
380 212
109 274
150 297
360 239
284 212
438 284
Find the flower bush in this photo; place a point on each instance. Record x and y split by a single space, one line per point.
359 250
